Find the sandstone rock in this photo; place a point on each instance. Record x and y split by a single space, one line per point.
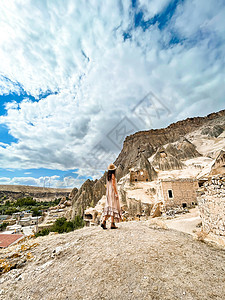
57 250
162 160
183 149
89 193
214 131
143 163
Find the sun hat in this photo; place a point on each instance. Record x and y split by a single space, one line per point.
112 167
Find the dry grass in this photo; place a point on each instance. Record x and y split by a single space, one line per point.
201 235
156 223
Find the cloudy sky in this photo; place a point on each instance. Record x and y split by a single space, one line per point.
76 77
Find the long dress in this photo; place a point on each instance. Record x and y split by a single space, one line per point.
112 204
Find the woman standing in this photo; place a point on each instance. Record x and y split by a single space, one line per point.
112 205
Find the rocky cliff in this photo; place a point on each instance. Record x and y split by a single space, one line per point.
150 141
171 140
88 195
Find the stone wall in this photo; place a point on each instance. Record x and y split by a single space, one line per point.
212 205
179 192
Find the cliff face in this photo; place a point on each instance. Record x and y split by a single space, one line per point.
150 141
88 195
171 139
163 160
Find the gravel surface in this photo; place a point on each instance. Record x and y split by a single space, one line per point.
132 262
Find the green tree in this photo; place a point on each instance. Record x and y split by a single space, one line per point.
3 226
43 232
11 210
62 225
59 225
36 212
78 222
25 202
7 203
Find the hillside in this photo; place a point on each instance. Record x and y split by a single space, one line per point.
13 192
31 189
137 261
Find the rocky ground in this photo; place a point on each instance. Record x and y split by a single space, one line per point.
139 260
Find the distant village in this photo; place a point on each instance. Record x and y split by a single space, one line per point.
21 224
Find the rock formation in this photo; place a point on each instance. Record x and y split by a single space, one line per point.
162 160
73 192
214 131
219 165
149 141
88 195
172 139
182 149
143 163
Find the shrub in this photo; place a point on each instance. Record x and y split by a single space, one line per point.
7 203
36 212
11 210
43 232
25 202
3 226
59 225
78 222
62 225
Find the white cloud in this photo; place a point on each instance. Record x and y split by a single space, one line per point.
4 180
47 181
199 15
78 51
152 7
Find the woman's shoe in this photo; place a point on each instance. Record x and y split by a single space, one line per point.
113 226
103 225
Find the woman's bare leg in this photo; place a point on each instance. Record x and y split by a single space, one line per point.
103 224
113 226
105 218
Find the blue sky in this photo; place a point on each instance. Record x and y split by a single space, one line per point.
73 76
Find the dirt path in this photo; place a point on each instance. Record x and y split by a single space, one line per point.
132 262
185 223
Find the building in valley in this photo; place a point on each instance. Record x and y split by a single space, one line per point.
180 192
139 175
142 170
9 239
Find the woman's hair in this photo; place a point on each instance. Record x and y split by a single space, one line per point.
109 174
